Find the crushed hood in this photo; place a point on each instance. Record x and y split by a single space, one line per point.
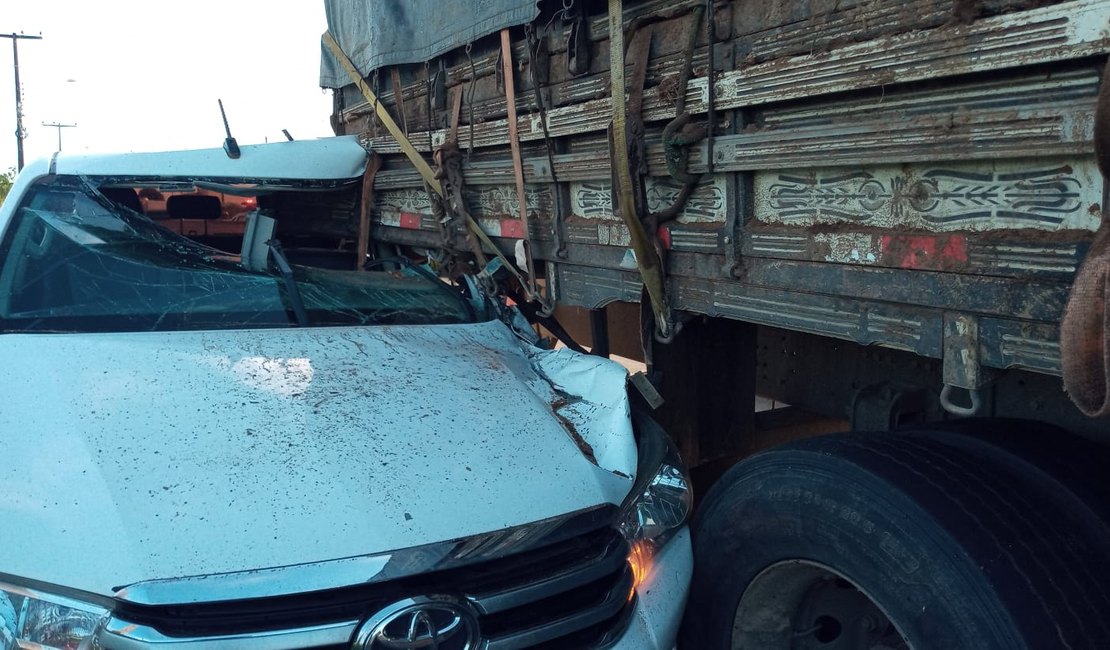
142 456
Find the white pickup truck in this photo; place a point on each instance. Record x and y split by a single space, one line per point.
201 449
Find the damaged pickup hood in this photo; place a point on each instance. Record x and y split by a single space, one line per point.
142 456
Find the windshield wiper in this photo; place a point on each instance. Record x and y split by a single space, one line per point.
290 283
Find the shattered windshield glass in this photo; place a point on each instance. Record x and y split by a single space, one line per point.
74 261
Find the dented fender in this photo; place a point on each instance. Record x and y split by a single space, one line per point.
589 396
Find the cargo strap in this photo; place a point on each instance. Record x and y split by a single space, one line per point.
411 153
373 164
637 51
647 259
518 166
538 66
456 106
399 98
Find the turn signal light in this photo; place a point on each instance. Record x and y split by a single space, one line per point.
640 558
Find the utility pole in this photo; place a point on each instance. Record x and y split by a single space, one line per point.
59 126
18 95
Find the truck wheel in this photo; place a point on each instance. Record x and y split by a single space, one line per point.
895 541
1078 464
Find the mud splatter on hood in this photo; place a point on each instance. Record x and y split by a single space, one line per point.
131 457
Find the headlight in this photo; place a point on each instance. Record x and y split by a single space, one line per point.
660 500
31 619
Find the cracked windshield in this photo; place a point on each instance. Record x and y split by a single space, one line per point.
75 260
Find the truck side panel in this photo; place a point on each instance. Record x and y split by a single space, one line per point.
914 175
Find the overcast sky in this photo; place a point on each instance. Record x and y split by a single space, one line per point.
145 75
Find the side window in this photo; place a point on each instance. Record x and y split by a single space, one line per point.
72 260
52 236
35 276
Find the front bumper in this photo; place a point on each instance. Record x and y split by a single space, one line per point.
652 625
661 598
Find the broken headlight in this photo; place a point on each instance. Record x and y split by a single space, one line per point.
660 500
33 619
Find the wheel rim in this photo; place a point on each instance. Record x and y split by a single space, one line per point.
801 605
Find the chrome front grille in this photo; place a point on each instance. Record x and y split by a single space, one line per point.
557 604
569 588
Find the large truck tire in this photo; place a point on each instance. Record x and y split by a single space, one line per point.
925 540
1078 464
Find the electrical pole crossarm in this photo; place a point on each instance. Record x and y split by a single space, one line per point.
59 126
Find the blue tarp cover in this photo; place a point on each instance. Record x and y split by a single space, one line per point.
377 33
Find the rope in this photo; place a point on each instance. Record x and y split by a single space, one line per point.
1084 338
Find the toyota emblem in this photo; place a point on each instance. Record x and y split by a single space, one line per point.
420 623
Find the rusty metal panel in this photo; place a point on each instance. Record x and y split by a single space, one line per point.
697 227
1020 298
591 164
1068 30
486 172
1055 33
707 203
1036 116
893 326
591 287
961 354
1023 258
1050 195
501 201
896 160
494 207
897 326
1005 253
1000 218
1006 343
485 96
774 31
762 31
883 311
404 208
696 240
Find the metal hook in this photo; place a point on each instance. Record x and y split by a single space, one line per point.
562 15
666 332
955 409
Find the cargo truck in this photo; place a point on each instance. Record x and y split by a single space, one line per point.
803 217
